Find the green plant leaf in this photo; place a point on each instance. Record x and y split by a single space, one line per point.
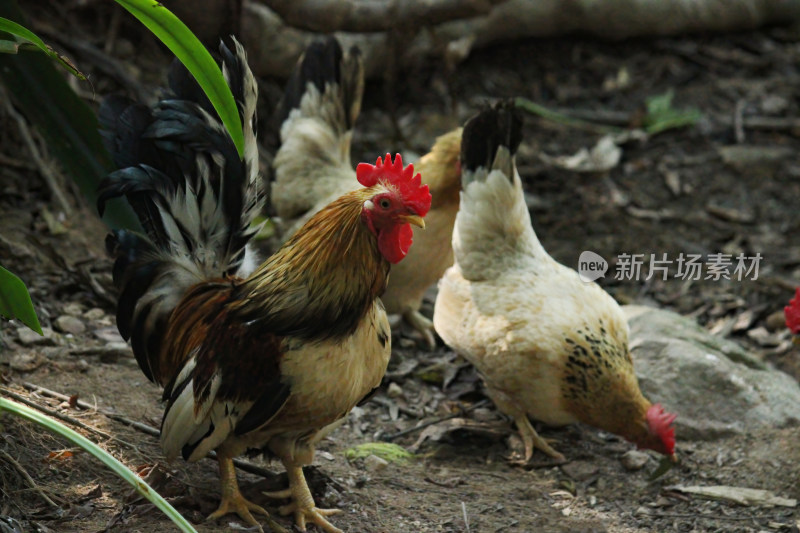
393 453
107 459
15 301
67 124
663 467
9 26
661 116
191 52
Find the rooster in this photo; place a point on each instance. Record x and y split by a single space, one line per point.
312 167
265 361
547 344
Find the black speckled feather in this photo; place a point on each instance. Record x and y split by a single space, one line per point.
193 194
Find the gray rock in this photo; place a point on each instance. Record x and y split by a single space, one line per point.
580 470
109 335
634 460
715 386
112 351
69 324
73 309
95 313
28 337
373 463
27 361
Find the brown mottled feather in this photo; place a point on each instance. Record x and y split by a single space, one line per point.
231 337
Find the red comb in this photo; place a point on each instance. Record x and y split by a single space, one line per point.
792 313
409 186
660 423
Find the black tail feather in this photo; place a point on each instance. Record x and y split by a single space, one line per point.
194 196
323 63
496 126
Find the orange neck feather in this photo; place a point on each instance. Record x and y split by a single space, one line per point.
323 280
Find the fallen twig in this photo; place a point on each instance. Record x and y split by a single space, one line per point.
46 168
408 431
28 478
8 161
246 466
63 417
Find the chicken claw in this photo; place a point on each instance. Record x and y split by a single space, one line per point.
241 506
302 505
419 322
532 440
232 499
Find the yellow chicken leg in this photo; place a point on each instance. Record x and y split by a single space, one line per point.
532 440
419 322
232 499
302 504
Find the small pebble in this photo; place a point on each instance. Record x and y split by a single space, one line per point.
27 362
95 313
69 324
328 456
763 337
29 337
776 321
774 105
73 309
634 460
373 463
580 470
109 334
484 414
113 351
394 390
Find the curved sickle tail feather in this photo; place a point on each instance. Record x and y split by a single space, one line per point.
195 198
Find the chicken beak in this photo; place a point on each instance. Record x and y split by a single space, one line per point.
413 219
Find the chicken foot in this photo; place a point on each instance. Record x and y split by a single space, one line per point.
302 505
419 322
232 499
532 440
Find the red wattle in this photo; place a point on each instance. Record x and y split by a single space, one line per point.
394 243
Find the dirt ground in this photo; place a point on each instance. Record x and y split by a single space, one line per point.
679 191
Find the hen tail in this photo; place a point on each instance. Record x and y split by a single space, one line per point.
195 198
319 108
489 142
493 227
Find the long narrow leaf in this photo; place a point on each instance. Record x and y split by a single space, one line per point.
67 124
15 301
18 30
191 52
118 468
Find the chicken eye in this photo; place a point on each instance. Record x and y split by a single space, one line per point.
385 203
